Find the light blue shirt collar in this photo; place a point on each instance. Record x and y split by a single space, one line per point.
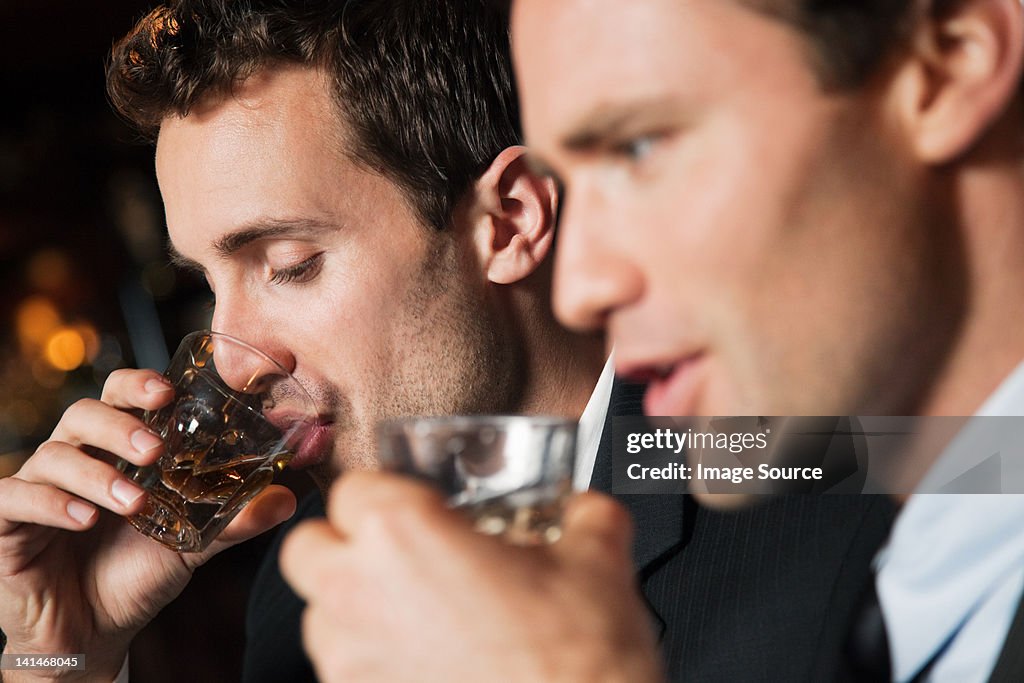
953 571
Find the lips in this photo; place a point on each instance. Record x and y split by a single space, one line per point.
673 388
308 438
314 447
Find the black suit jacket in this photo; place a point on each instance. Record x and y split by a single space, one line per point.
760 595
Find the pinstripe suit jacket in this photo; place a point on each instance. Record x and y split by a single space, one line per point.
762 594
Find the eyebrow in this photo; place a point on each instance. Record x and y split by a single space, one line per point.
609 120
262 229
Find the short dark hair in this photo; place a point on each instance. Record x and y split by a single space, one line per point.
849 39
426 88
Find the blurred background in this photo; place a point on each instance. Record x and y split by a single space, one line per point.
86 286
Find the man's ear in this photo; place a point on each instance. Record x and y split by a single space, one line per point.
514 217
961 73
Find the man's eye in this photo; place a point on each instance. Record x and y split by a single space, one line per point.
299 273
636 149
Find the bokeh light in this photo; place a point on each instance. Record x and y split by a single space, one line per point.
35 320
65 349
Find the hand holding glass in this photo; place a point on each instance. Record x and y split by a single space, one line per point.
237 417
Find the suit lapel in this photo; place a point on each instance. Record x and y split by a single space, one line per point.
657 519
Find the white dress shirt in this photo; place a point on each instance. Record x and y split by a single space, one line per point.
951 576
591 426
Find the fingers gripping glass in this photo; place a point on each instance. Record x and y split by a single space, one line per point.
237 417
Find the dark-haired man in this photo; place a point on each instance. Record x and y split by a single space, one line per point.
772 207
346 177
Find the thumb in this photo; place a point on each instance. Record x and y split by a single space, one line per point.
272 506
597 530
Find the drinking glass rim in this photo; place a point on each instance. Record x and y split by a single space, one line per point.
263 354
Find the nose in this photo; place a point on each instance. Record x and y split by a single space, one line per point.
594 276
261 359
242 367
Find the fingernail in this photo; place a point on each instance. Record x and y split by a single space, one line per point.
158 386
126 493
80 512
144 441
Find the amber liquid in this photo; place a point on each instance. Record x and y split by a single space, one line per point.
205 492
186 508
208 472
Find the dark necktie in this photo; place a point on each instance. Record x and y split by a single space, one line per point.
867 645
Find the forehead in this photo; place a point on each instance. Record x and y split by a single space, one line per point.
287 106
271 152
575 55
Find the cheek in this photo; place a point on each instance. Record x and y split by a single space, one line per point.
755 256
343 326
708 228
